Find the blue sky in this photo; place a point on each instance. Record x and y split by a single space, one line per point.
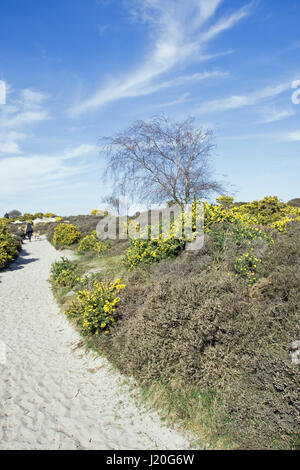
77 70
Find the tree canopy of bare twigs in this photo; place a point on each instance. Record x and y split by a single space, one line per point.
161 160
113 201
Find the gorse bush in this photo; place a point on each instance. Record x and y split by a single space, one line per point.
162 242
94 309
237 233
86 225
99 213
265 212
91 243
246 266
228 223
65 273
38 215
28 216
66 235
270 210
152 251
9 246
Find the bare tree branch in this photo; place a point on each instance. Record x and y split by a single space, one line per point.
162 160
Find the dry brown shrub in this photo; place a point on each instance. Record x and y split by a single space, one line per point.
191 319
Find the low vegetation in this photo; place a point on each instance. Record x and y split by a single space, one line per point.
92 244
10 244
207 334
294 202
86 224
94 308
65 273
65 235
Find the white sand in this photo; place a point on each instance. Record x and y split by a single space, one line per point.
52 394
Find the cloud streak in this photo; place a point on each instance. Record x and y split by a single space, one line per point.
241 101
9 143
24 110
19 173
179 33
293 136
272 114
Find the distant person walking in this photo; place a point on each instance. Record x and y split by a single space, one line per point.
29 230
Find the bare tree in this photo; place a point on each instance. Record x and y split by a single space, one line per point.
162 160
113 201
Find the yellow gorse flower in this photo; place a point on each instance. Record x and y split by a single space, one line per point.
247 221
94 308
9 246
66 234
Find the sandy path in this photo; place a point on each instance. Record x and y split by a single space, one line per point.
52 395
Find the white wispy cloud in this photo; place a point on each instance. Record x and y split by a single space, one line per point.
9 142
81 150
179 33
23 118
240 101
9 147
272 137
182 99
32 96
293 136
226 23
19 173
185 80
272 114
25 109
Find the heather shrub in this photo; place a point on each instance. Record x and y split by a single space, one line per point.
66 235
198 325
294 202
87 224
219 321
